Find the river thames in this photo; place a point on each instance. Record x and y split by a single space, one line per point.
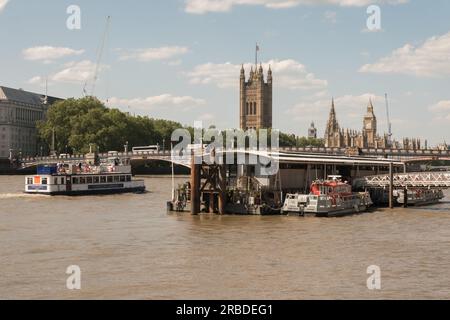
128 247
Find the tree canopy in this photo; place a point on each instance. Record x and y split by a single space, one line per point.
78 123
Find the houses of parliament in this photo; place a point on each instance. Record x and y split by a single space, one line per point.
256 99
256 113
336 137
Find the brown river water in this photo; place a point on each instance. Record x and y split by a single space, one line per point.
128 247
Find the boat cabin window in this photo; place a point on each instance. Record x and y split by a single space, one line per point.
89 180
82 180
128 178
110 179
96 179
122 178
103 179
116 178
62 180
55 181
44 181
29 180
75 180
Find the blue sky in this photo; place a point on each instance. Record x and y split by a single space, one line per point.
180 59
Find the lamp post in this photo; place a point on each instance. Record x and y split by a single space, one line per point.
164 145
126 147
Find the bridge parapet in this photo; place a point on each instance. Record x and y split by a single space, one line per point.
395 154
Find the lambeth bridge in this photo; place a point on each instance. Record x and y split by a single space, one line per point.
328 155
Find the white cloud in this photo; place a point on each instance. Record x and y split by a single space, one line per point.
72 72
441 106
287 74
3 4
75 72
36 80
430 59
330 16
441 110
175 63
152 54
206 117
164 100
205 6
49 53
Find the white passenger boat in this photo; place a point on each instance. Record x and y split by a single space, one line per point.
328 198
83 179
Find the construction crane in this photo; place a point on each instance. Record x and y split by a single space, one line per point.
100 51
389 124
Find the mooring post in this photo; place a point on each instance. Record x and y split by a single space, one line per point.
391 185
222 188
212 205
405 197
195 185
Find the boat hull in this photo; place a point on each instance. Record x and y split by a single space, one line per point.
92 192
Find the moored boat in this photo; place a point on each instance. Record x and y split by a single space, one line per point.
328 198
418 197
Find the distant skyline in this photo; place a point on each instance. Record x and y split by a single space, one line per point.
180 59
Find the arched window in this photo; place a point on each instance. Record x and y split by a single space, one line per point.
247 109
254 108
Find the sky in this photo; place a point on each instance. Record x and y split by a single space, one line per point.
180 59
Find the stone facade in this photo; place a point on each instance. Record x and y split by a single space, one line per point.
256 100
19 112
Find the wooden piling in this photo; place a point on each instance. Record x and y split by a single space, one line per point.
222 188
391 185
405 198
195 185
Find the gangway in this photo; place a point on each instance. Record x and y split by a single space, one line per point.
439 180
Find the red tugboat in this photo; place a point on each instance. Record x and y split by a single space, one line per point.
328 198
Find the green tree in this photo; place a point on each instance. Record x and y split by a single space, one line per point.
77 123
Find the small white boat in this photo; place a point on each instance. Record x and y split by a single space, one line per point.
84 179
417 197
328 198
